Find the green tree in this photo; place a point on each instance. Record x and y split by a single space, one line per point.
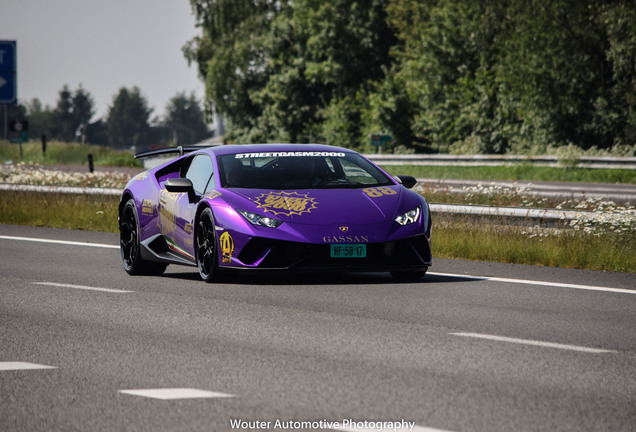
497 76
273 68
72 113
619 109
40 119
324 57
128 119
390 110
83 111
445 66
185 120
229 53
555 70
493 76
63 123
96 133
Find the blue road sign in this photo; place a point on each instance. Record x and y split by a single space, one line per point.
8 72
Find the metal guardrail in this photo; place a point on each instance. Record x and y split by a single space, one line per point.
623 193
551 215
606 162
60 189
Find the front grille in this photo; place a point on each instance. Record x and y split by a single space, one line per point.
412 252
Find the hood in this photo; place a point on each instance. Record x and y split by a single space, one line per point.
323 206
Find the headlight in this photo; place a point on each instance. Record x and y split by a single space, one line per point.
409 217
259 220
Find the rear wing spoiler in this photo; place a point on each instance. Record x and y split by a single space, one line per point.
167 150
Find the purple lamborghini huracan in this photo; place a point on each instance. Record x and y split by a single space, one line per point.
273 207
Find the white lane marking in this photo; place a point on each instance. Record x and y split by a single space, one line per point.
11 366
64 242
535 343
82 287
406 428
175 393
542 283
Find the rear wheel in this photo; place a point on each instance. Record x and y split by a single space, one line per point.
129 244
206 249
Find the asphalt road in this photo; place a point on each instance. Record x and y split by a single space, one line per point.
85 347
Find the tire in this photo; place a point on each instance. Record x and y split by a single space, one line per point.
408 276
206 247
129 245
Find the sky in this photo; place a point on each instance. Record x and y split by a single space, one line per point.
102 45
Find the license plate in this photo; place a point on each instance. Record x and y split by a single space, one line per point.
348 251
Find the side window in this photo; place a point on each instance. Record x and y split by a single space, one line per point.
199 173
211 185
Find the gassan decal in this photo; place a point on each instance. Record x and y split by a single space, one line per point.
379 191
286 203
346 239
226 242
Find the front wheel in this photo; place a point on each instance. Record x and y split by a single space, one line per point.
206 250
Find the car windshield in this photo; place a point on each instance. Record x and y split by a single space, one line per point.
299 170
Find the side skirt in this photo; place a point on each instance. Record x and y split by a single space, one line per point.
158 248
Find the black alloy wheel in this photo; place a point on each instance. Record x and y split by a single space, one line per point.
206 249
129 244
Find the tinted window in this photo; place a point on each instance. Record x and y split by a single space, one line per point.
299 170
199 173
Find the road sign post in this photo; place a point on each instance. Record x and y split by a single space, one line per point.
380 141
19 132
8 73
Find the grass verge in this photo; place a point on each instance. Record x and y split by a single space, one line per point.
468 238
61 153
464 238
57 210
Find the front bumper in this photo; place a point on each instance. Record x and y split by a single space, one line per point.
413 253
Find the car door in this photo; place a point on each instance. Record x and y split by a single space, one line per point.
178 210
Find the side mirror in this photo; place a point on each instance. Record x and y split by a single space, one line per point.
407 181
181 185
